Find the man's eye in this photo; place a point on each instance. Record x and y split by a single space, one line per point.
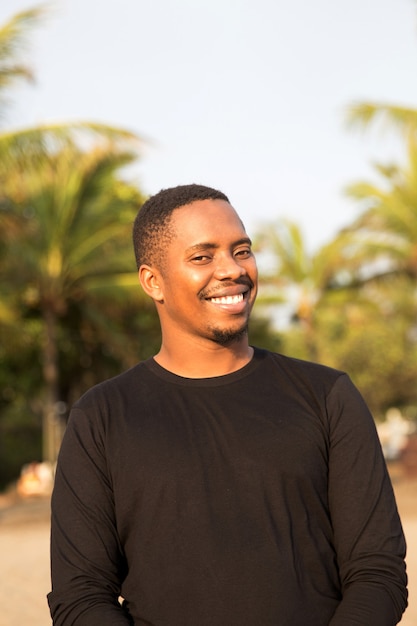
243 254
201 258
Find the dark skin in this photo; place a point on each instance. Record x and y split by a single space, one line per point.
204 290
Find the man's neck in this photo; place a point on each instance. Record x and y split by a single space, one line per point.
204 359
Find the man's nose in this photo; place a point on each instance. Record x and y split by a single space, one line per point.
228 267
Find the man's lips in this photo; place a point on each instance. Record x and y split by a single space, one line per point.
231 293
232 299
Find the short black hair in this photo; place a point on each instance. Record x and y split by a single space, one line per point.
152 224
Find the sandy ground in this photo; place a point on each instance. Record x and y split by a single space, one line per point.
24 550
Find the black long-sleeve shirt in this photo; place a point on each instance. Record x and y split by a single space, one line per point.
259 498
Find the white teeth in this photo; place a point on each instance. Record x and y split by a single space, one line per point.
228 299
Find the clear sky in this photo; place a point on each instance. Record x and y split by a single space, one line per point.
244 95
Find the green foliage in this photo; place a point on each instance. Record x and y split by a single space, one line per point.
20 381
70 309
67 218
261 334
20 439
370 334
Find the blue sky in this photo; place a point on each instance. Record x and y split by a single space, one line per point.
244 95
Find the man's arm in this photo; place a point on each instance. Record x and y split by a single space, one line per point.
87 560
368 536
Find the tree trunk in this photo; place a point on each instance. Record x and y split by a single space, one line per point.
51 421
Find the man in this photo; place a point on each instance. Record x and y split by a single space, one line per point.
218 484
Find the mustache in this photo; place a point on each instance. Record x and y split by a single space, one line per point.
211 293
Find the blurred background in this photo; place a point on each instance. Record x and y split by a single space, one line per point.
304 114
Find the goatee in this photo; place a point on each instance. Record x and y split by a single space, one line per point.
226 337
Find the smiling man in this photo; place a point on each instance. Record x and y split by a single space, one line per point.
204 283
217 484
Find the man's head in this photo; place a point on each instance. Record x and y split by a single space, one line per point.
195 261
152 227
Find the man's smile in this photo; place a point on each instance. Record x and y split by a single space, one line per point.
228 299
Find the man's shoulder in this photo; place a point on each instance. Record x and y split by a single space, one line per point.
300 368
132 378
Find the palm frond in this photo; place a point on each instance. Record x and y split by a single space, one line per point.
50 138
361 115
13 45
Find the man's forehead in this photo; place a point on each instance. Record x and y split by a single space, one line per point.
202 211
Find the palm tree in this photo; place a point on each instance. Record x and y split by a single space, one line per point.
387 229
65 214
382 241
66 219
290 274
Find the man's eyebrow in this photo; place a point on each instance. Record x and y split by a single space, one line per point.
240 242
207 245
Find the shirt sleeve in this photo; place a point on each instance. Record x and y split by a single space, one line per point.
368 536
87 560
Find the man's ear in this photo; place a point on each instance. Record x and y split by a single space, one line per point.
151 282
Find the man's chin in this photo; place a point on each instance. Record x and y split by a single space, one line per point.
226 337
